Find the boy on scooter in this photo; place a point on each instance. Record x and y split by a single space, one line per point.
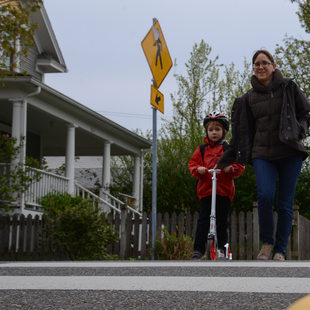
204 158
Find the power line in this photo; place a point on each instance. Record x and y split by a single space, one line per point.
124 114
131 115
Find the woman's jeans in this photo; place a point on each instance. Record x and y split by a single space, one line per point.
287 170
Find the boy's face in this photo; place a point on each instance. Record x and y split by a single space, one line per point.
214 131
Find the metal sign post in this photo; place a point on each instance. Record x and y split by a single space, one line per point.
159 60
154 181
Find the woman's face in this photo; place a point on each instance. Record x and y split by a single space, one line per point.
263 69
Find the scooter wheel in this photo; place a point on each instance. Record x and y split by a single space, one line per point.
211 250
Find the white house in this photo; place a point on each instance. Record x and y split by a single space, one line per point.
56 125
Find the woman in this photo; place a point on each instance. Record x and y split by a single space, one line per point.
268 125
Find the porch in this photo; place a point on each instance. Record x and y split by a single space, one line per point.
51 124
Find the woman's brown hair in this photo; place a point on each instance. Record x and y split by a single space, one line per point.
265 52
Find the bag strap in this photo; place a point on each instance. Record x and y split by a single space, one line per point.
202 147
202 150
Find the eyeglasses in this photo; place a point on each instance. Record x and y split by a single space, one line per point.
264 64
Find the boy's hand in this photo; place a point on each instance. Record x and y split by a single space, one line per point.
202 170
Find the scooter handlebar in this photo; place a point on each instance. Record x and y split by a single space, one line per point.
214 170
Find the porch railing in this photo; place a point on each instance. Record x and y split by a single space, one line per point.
46 183
108 200
40 183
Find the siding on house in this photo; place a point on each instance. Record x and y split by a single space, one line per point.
28 64
88 177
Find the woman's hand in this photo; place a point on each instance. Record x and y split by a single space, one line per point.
228 169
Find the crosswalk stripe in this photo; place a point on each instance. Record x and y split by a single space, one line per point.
157 283
128 264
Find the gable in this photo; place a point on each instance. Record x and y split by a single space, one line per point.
45 56
49 57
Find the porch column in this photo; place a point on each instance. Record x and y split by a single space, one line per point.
17 134
23 130
70 154
106 169
136 181
141 182
106 175
24 111
17 124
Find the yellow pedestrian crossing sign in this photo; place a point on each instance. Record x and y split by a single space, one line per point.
156 52
157 99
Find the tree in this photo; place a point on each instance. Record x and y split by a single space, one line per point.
304 13
197 92
122 169
293 59
294 55
16 35
207 86
234 84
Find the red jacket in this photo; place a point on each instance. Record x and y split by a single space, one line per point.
225 185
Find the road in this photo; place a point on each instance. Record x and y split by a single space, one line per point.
153 285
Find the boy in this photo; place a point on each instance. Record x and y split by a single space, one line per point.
216 126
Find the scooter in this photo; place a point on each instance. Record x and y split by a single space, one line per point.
212 247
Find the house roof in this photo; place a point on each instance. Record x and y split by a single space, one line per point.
50 112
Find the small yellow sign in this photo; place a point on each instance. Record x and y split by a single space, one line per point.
157 99
156 52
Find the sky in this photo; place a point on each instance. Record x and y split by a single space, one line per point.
107 70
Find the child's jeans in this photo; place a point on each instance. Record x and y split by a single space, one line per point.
203 223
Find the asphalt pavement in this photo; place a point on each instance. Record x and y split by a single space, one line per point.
153 285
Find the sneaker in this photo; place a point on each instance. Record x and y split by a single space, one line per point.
265 252
197 255
279 257
221 254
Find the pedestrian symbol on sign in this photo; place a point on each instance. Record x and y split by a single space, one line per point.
159 47
156 52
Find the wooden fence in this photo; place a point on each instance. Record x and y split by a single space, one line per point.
24 238
244 233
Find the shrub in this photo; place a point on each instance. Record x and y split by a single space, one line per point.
79 228
171 247
15 179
